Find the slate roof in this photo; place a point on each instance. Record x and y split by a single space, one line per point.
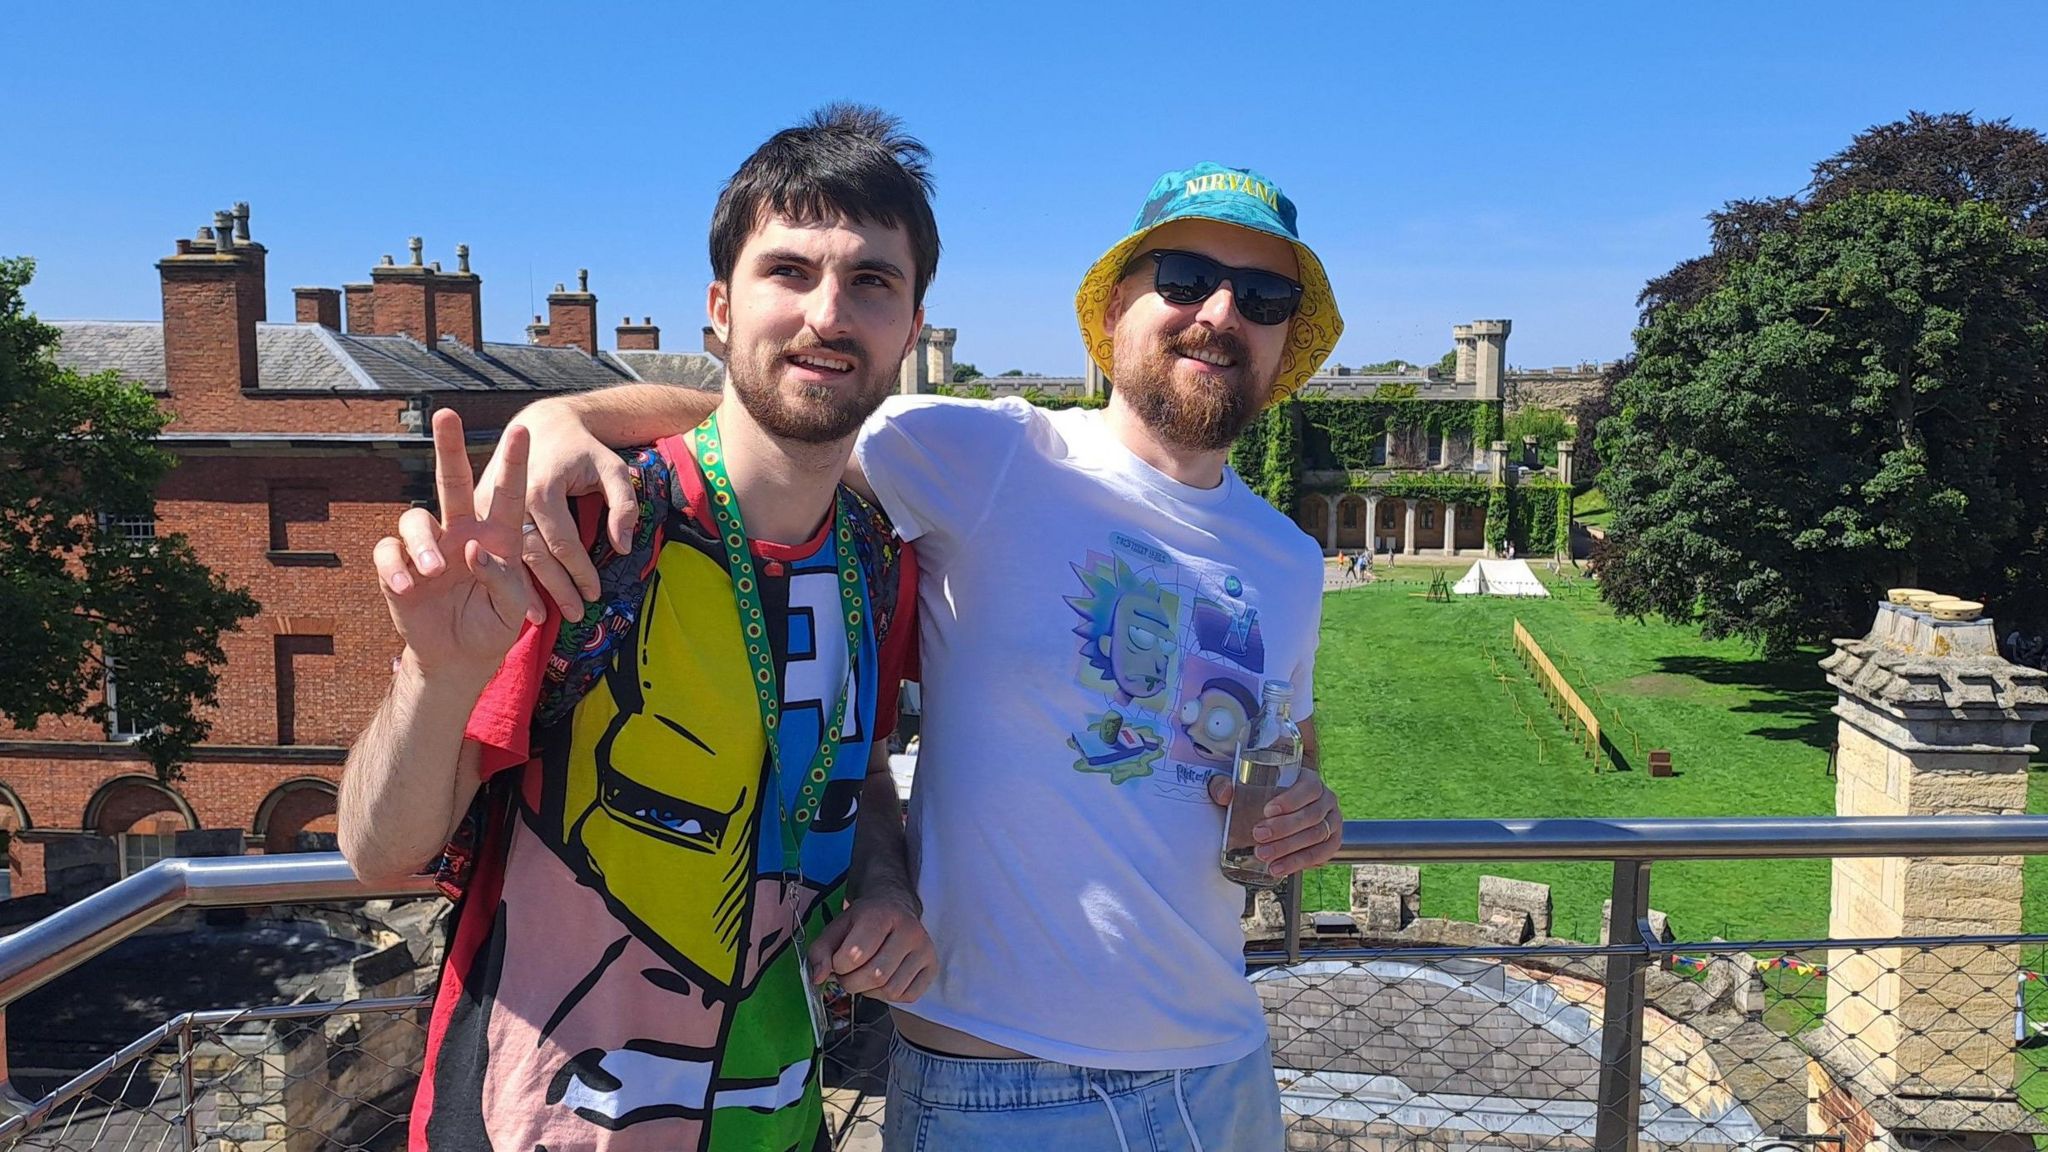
689 369
307 357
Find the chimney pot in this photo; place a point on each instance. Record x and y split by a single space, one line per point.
462 257
436 265
224 230
205 232
416 245
388 261
241 219
184 247
559 287
583 279
536 317
647 319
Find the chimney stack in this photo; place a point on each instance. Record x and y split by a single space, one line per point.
537 332
362 313
712 344
320 306
402 298
643 336
572 317
213 300
458 302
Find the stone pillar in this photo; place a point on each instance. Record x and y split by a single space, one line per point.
938 354
1932 722
1408 547
1451 532
1499 463
1330 531
1565 451
910 378
1489 356
1387 447
1443 452
1372 522
1097 382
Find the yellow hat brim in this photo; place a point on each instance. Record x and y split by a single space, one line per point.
1311 335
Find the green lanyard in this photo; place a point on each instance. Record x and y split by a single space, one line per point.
746 588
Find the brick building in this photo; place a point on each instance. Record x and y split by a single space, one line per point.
299 444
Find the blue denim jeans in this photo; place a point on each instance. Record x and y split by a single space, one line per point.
943 1104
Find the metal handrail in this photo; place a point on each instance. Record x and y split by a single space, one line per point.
69 937
65 939
50 947
1688 838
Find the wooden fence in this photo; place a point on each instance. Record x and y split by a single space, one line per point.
1569 707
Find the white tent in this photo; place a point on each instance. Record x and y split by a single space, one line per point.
1500 578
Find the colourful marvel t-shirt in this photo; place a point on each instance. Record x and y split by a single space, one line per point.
623 974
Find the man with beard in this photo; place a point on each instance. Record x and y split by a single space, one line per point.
652 804
1087 577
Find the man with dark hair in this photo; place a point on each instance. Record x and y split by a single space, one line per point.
650 806
1101 600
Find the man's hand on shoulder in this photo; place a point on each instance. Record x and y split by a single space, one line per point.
878 948
567 460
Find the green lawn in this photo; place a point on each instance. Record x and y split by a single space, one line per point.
1423 711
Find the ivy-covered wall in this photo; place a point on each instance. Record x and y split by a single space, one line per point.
1344 432
1539 520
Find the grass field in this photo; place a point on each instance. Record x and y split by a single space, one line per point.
1424 711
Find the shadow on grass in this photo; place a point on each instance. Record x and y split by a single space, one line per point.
1793 689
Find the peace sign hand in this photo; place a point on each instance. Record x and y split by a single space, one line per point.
455 587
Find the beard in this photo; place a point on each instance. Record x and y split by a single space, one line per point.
810 413
1198 417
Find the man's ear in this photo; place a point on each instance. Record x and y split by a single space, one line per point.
718 307
1114 310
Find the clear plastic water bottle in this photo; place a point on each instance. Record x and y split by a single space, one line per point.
1268 761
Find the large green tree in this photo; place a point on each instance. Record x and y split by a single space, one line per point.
77 455
1862 402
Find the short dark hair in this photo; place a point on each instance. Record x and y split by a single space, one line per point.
845 161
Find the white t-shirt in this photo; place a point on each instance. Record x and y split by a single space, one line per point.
1094 634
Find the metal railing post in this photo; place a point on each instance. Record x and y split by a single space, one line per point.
190 1098
1290 917
1621 1024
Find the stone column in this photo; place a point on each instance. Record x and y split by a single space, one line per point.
1408 545
1330 530
938 352
910 378
1566 449
1443 452
1372 522
1932 722
1387 447
1096 384
1450 529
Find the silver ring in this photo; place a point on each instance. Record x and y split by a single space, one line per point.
528 528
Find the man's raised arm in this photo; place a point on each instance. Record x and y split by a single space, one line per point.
574 438
458 601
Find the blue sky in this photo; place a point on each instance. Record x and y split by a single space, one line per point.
1531 161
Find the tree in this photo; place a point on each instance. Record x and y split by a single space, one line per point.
77 457
963 372
1014 372
1447 365
1951 157
1591 409
1863 404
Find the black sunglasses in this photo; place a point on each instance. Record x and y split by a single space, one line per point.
1261 297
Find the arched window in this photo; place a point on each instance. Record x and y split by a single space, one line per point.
143 816
297 816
